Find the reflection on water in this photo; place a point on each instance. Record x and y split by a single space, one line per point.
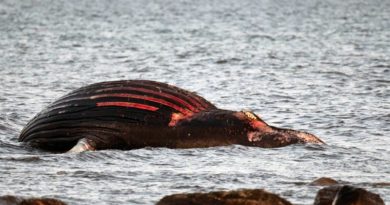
319 66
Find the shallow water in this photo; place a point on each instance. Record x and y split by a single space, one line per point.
318 66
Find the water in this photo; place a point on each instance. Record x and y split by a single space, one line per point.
318 66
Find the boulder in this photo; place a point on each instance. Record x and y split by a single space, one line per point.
237 197
324 181
13 200
10 200
346 195
326 195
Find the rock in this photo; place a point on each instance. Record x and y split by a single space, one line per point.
326 195
346 195
238 197
324 181
13 200
42 201
381 184
9 200
357 196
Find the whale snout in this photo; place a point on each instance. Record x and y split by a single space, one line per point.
308 138
281 137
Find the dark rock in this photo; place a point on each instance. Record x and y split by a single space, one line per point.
381 184
357 196
346 195
42 201
326 195
13 200
324 181
9 200
239 197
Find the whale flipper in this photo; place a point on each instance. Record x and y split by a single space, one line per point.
83 145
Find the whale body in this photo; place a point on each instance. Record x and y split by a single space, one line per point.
131 114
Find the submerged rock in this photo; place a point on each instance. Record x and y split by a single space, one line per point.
381 184
346 195
324 181
13 200
238 197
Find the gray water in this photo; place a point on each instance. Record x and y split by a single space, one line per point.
319 66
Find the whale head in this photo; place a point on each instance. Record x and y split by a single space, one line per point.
263 135
224 127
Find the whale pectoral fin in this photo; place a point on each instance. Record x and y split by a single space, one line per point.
82 145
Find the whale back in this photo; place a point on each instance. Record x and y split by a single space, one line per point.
103 109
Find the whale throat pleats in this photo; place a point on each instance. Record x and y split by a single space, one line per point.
105 109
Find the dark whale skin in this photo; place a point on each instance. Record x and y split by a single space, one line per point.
132 114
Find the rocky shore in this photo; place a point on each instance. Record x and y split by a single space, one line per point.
332 193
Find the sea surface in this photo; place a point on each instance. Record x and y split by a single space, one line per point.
321 66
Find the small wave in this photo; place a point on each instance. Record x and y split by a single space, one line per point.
316 147
381 81
381 66
94 156
281 96
3 127
334 73
229 60
22 159
91 174
7 147
260 36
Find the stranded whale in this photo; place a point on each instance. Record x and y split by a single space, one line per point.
139 113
